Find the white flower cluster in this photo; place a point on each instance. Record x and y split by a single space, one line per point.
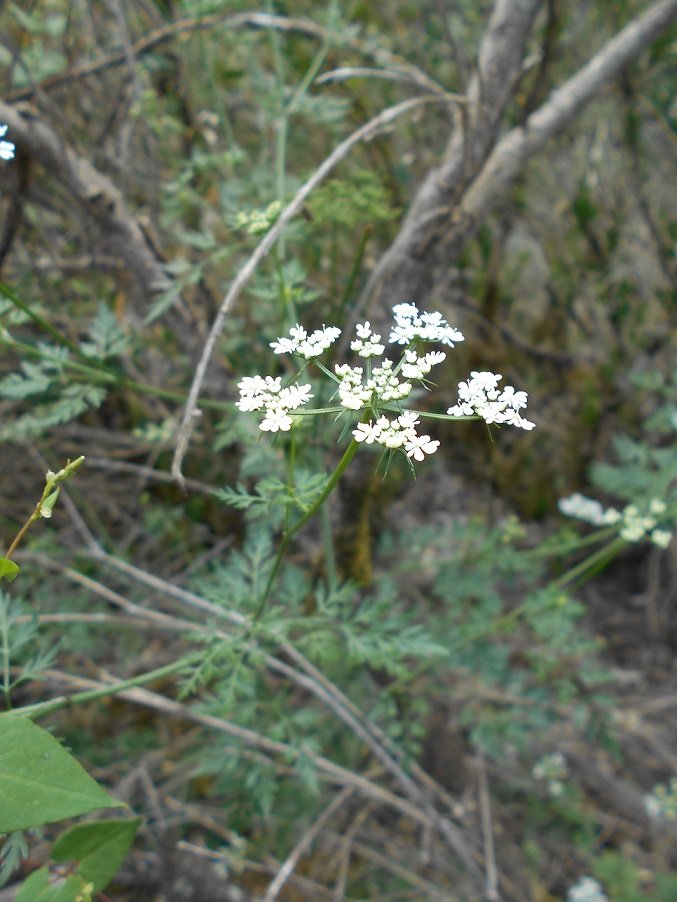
6 147
410 325
257 393
367 344
662 801
306 346
553 770
397 433
258 222
375 387
383 385
586 890
635 525
480 396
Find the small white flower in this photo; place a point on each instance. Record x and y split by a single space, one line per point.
276 419
661 537
248 403
611 516
284 346
432 358
367 432
656 506
307 346
6 147
586 890
420 445
294 396
583 508
408 420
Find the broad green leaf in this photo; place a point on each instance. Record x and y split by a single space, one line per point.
42 886
8 569
99 846
40 782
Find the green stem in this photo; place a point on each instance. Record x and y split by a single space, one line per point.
55 704
326 492
354 272
329 553
596 560
39 320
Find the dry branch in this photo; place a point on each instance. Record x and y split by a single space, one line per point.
92 191
449 206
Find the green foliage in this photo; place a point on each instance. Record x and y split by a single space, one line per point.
646 466
13 849
55 378
87 857
359 200
273 496
223 126
20 661
99 847
625 881
40 781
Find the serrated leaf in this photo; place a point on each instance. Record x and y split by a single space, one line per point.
40 782
100 847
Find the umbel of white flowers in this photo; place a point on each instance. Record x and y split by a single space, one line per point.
635 525
382 388
6 147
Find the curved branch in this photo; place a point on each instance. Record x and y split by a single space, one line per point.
93 191
406 268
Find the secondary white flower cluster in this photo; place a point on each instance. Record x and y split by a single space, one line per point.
6 147
635 524
367 344
410 325
397 433
662 801
257 393
306 346
553 770
587 890
480 396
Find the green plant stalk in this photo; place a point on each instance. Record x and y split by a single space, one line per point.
6 676
65 701
593 563
51 485
332 482
574 545
329 552
354 272
39 320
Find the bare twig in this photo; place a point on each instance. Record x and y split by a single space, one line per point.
240 20
149 473
96 194
491 874
457 196
304 844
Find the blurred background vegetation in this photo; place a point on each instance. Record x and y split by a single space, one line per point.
157 142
